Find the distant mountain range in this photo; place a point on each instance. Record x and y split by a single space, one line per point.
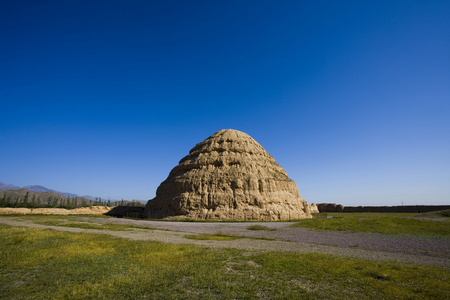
39 188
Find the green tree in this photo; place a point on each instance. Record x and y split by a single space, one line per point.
3 200
33 201
25 200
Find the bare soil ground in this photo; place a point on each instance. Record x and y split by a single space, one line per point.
402 248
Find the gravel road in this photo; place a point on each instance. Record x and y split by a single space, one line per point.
372 246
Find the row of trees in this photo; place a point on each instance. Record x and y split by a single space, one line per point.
48 202
36 201
129 203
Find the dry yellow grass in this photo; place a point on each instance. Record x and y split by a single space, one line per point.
93 210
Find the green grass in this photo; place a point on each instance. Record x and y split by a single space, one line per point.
74 221
445 213
386 223
46 264
205 221
213 237
223 237
114 227
260 227
436 214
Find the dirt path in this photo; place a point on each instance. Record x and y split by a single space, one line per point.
429 251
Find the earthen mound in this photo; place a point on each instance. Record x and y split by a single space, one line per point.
228 176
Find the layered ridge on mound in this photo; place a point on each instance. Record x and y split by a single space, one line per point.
228 176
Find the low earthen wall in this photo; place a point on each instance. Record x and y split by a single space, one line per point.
329 207
126 211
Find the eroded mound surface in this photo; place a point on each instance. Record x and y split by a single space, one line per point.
228 176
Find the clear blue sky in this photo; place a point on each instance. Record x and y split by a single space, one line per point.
352 98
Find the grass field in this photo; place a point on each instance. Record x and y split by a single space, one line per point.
260 227
46 264
212 237
386 223
73 221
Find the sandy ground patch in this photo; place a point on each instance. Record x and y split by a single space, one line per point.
93 210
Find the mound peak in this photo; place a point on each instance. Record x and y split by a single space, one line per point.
228 176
